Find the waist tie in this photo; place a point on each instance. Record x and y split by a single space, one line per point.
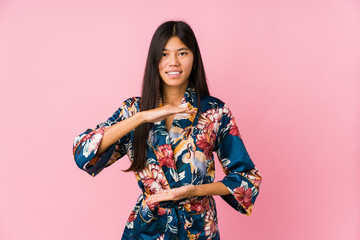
176 217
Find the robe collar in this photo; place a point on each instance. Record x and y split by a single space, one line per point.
181 123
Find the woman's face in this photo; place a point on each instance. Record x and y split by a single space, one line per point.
176 63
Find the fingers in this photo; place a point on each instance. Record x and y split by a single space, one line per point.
163 195
161 113
176 110
190 111
170 195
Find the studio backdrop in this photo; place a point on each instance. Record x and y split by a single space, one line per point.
289 71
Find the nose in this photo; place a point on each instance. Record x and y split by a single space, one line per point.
173 60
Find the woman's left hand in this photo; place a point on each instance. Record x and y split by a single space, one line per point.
172 194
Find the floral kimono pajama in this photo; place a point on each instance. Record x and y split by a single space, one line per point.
181 156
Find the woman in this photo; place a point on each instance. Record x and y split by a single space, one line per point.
170 134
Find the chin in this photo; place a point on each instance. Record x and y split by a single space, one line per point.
172 83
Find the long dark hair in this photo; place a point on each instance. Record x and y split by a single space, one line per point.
152 83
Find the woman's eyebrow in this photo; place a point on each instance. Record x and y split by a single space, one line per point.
180 49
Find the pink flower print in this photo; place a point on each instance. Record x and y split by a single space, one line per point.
148 181
165 155
132 216
152 206
254 176
162 237
94 143
197 207
210 225
205 141
92 133
162 211
153 178
209 121
151 185
243 196
227 111
154 187
233 128
159 176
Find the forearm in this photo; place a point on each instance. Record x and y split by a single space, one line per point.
118 130
216 188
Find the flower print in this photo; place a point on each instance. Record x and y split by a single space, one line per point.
132 216
92 145
161 237
209 121
204 123
243 196
233 128
196 207
151 206
162 211
88 147
206 141
204 202
254 176
92 133
153 178
148 182
159 176
155 187
165 156
196 204
226 110
210 225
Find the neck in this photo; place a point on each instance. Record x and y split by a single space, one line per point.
173 95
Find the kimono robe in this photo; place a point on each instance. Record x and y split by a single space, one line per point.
181 156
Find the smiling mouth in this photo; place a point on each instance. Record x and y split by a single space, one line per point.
174 73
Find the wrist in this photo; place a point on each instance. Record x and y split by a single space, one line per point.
141 117
196 191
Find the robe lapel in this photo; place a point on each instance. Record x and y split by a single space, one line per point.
163 142
182 124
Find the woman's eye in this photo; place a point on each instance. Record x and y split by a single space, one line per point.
182 53
164 54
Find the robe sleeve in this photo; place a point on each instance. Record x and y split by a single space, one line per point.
87 143
242 177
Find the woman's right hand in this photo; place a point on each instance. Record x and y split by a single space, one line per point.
160 113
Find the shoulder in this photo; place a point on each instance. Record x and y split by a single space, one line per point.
208 102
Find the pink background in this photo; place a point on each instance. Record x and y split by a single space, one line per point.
289 70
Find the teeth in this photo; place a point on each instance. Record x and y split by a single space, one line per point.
173 73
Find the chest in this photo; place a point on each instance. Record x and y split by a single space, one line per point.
168 122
